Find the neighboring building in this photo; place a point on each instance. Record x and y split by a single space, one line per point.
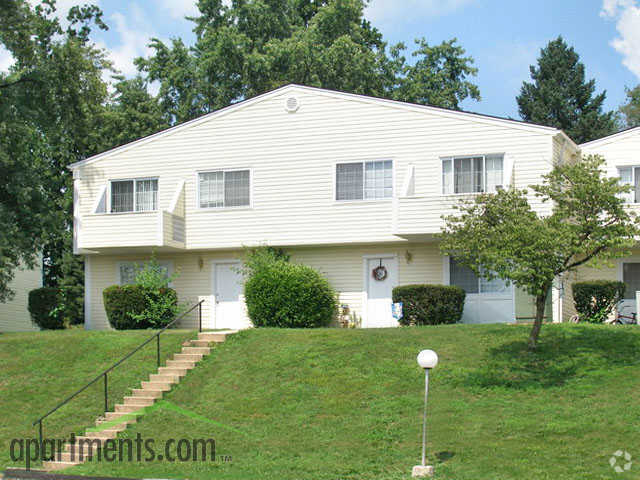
14 314
622 154
344 182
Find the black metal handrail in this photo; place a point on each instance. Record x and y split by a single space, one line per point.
104 373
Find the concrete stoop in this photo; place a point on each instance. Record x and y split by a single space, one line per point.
192 352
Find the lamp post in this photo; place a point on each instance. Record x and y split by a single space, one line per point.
427 359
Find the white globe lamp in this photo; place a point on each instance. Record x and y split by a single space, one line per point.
427 359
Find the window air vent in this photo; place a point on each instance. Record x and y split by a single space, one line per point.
292 104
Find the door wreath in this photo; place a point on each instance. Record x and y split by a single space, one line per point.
380 272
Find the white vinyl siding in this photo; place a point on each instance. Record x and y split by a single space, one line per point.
341 265
224 189
292 160
14 313
134 195
364 180
476 174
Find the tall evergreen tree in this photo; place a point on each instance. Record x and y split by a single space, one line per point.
561 97
631 109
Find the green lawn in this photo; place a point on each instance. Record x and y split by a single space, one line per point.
39 370
346 404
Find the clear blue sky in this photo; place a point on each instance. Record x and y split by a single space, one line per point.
504 37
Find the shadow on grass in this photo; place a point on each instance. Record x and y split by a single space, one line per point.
563 353
444 456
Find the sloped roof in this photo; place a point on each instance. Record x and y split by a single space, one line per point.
517 124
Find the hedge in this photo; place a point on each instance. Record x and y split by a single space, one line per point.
429 304
44 307
122 302
595 300
282 294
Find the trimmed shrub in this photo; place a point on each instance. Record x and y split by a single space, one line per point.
44 307
430 304
595 300
289 295
127 306
121 302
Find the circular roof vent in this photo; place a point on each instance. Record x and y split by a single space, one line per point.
292 104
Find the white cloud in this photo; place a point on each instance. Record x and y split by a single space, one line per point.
63 7
386 11
627 16
6 59
134 34
180 8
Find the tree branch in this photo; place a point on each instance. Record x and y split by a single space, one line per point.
18 81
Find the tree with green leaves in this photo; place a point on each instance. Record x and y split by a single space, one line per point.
631 109
499 235
49 100
252 46
131 113
560 96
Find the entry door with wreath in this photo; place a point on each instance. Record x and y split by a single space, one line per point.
381 274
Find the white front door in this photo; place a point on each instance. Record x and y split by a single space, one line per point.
379 290
229 306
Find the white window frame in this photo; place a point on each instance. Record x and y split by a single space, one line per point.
224 170
162 263
446 278
364 162
135 182
484 156
632 193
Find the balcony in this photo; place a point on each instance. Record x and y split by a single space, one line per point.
420 217
160 229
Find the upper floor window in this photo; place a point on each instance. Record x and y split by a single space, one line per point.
630 176
224 188
138 195
476 174
364 180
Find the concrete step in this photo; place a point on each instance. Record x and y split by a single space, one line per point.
189 357
53 465
130 408
102 434
139 401
93 442
201 350
164 386
214 337
155 377
78 446
197 343
77 456
122 416
147 392
181 364
179 372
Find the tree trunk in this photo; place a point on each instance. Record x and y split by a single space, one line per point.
541 302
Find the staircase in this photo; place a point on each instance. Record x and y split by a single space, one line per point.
192 352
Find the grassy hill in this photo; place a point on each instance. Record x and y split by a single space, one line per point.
39 370
346 404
